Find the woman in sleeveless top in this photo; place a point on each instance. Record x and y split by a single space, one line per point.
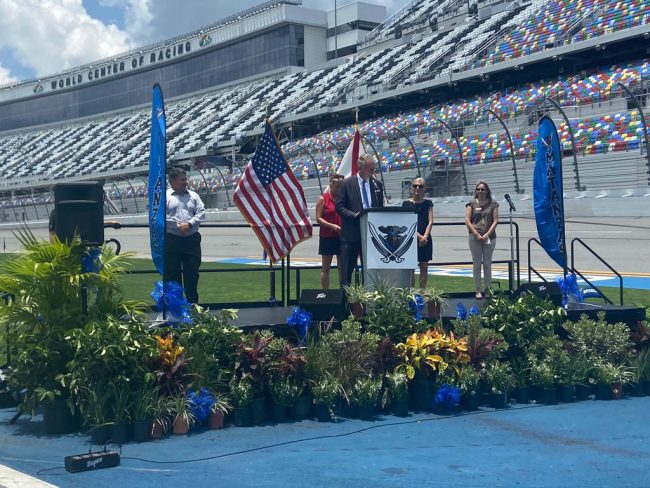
481 218
329 244
424 208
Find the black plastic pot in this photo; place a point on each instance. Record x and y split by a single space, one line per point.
366 412
302 408
257 410
521 394
120 433
646 387
423 393
399 408
470 401
603 391
142 431
243 417
582 392
322 412
99 434
547 396
278 413
498 400
57 418
635 389
566 393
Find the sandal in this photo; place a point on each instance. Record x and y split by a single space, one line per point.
478 296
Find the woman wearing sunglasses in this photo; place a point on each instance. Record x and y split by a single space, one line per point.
481 218
424 209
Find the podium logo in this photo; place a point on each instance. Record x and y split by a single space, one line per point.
392 241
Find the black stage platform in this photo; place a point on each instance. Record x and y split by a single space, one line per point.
275 317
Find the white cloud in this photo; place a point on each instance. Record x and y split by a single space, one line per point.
6 77
52 35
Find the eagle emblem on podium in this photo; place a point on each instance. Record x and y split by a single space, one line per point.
392 241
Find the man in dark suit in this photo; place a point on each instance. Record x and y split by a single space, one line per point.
357 193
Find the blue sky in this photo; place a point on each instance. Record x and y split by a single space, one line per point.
41 37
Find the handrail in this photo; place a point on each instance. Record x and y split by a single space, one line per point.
595 254
530 266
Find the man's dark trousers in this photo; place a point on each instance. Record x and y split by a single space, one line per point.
182 260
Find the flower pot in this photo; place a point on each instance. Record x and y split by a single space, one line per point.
278 413
216 420
470 401
442 409
423 392
366 412
243 417
257 410
181 425
582 392
400 408
357 310
142 430
349 411
603 391
617 391
120 433
547 396
58 419
322 412
498 400
635 389
646 387
158 429
99 434
521 394
566 393
302 408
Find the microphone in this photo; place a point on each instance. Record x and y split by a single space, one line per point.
509 200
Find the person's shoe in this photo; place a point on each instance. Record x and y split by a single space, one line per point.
478 296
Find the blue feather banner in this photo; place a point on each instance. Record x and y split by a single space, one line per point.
157 184
548 192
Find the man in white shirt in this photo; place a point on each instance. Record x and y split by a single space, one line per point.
185 212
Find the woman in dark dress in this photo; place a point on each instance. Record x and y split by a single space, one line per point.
424 209
329 244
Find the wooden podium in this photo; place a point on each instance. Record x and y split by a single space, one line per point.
389 246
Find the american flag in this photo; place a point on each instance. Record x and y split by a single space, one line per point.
272 200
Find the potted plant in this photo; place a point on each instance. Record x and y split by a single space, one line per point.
357 296
641 370
609 379
521 370
325 393
284 392
144 399
241 393
543 378
122 404
365 395
398 393
500 380
469 380
435 300
218 411
160 417
250 367
181 412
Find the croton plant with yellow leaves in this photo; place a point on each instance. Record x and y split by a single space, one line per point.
432 352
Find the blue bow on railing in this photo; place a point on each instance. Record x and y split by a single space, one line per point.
175 303
473 311
301 320
569 288
90 260
417 305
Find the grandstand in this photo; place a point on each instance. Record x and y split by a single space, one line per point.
435 88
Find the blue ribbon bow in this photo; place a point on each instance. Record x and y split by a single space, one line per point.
301 320
461 311
569 288
90 260
170 294
200 403
417 305
448 396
